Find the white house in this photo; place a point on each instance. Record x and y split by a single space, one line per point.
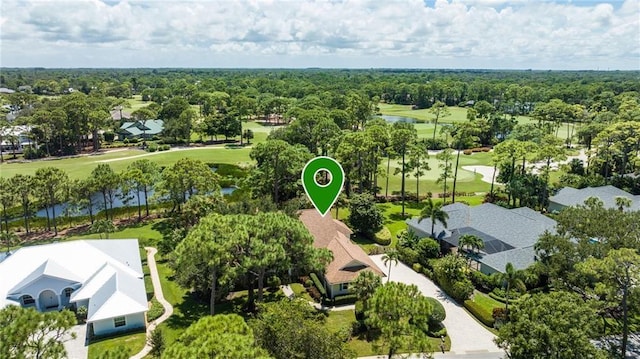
105 276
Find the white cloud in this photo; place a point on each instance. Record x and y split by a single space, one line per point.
476 33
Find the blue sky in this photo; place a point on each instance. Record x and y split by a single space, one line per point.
496 34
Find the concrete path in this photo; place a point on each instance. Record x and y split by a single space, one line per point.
438 355
77 348
467 335
157 292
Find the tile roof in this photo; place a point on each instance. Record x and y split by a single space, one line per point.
504 231
569 196
148 127
348 258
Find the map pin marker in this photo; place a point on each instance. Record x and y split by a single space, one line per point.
322 195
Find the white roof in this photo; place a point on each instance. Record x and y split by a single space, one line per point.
109 273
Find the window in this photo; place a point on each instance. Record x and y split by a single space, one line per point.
119 322
344 286
67 292
28 300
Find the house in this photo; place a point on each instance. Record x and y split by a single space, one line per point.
349 260
141 129
105 276
569 196
118 115
508 234
15 138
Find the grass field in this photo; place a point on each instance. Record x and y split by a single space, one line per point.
128 343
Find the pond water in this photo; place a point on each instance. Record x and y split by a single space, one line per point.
98 203
393 119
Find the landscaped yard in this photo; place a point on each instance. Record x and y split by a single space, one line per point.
131 343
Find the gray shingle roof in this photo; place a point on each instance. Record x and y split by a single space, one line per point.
569 196
506 232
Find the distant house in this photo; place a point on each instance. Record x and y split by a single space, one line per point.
119 115
568 197
508 234
15 139
6 90
348 258
105 276
141 129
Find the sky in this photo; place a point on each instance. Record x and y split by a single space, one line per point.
461 34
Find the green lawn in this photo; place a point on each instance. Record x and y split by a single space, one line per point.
132 343
458 114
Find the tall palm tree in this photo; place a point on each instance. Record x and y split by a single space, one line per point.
434 212
471 242
511 278
389 258
622 203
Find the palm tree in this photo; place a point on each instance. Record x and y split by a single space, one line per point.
472 242
622 203
434 212
512 278
389 258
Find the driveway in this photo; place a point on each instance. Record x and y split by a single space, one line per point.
467 335
77 348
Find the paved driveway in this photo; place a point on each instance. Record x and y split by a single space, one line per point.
467 335
77 348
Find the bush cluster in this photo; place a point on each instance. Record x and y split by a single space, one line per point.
383 237
318 283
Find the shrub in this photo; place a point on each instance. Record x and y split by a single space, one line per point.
157 343
479 312
164 147
308 283
273 282
462 290
427 248
467 152
437 331
481 281
344 299
383 237
417 267
437 144
81 313
152 147
126 140
486 149
318 284
155 311
427 272
109 136
499 314
407 255
438 314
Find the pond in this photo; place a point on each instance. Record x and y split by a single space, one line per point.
98 203
393 119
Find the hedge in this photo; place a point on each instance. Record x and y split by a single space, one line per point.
480 313
383 237
318 284
155 311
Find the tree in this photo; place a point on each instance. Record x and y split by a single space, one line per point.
390 258
418 163
403 136
9 239
157 343
52 180
464 135
150 174
108 183
445 157
278 169
7 196
365 285
434 211
622 203
511 279
438 110
364 216
220 336
471 241
103 226
23 185
401 314
185 178
617 277
27 333
294 329
554 325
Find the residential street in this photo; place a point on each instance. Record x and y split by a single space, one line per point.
467 336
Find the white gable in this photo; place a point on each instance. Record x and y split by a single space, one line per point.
106 272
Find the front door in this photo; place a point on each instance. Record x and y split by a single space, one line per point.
48 300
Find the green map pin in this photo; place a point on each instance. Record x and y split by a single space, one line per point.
323 196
